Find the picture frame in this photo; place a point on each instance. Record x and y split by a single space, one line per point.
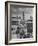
20 22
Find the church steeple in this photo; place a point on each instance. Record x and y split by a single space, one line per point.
23 15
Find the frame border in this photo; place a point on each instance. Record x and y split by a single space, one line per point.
6 21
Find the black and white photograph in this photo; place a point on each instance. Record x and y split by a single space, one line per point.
21 22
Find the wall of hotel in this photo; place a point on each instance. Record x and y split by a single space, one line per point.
37 22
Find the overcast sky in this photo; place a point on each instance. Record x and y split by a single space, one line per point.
18 11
